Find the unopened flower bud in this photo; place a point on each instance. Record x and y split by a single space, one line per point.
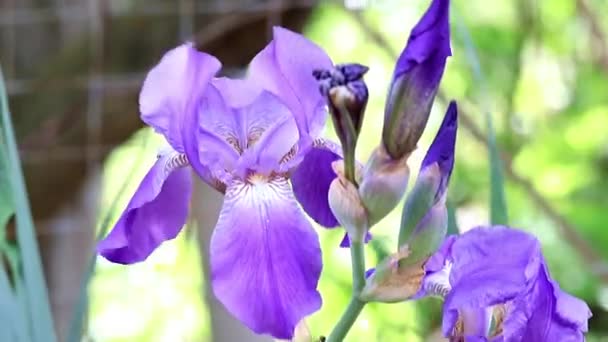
428 234
434 176
347 207
415 80
347 95
383 185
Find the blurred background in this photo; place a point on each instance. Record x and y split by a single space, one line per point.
73 70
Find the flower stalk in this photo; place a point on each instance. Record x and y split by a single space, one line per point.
355 306
347 97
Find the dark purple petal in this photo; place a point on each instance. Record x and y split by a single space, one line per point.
310 182
430 37
490 266
285 68
345 243
265 258
156 213
442 148
369 272
171 88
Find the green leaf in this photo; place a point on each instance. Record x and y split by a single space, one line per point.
498 204
35 291
6 203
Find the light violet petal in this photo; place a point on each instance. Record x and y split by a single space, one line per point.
311 181
490 266
267 130
171 88
284 67
265 258
551 314
156 213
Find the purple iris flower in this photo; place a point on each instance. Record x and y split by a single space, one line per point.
499 275
257 140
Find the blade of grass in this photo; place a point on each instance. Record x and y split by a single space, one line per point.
498 204
80 311
39 312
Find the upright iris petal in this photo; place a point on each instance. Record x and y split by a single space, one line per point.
283 67
172 86
416 80
503 270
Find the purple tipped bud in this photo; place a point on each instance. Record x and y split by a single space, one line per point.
429 192
416 79
442 149
347 95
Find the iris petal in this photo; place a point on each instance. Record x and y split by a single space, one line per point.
265 258
156 213
490 266
283 69
172 86
311 181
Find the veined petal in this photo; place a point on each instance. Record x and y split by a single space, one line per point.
265 258
156 213
311 181
268 131
171 87
490 266
283 69
552 315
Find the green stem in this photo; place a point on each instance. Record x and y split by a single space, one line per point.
355 305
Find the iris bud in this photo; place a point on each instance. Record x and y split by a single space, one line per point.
346 205
347 95
383 184
416 78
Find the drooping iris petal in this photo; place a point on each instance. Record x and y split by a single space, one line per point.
284 67
547 314
311 181
265 258
156 213
171 88
490 266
